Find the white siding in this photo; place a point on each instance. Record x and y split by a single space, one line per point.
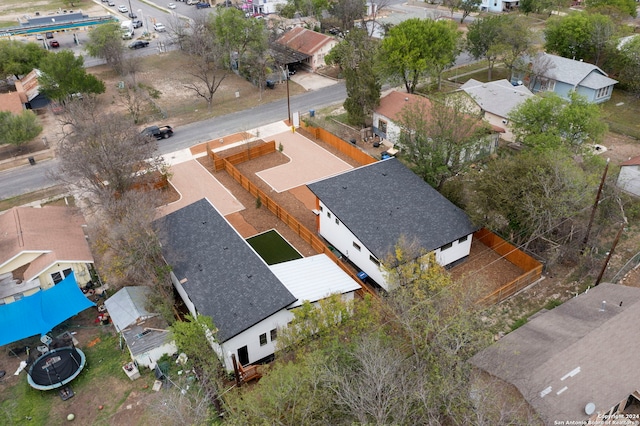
149 358
183 294
457 251
629 179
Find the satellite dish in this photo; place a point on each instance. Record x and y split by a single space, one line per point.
590 408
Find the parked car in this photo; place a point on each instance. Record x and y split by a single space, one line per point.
139 44
122 8
192 2
54 43
158 132
171 5
111 3
132 15
39 37
48 35
159 27
136 23
202 5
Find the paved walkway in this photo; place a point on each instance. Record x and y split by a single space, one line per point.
309 162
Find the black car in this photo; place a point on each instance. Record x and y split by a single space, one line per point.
48 35
132 15
202 5
138 44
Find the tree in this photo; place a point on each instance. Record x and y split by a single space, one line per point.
468 6
348 12
627 64
302 8
18 58
579 35
532 195
517 39
485 39
417 48
18 129
625 7
105 41
549 123
356 57
438 136
63 74
238 37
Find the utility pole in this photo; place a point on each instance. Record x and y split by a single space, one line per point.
288 100
613 247
585 240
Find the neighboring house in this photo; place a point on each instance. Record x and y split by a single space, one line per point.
146 334
387 117
11 102
312 45
260 6
39 247
552 73
495 101
29 90
364 212
498 5
629 177
218 274
578 356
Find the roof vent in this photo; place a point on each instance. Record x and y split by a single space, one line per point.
590 408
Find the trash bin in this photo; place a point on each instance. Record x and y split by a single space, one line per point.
352 140
32 161
312 113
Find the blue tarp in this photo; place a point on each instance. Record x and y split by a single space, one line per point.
40 312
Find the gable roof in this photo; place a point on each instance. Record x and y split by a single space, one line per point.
313 278
28 86
222 275
11 102
634 161
383 201
497 97
54 231
304 41
394 102
574 354
128 306
576 72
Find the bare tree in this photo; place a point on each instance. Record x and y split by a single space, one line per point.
184 403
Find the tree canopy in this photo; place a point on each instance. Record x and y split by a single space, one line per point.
626 7
18 129
105 41
580 36
418 48
63 74
18 58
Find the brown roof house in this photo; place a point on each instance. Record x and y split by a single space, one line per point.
312 45
11 102
39 247
388 114
29 89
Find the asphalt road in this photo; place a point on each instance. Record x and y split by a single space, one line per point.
28 178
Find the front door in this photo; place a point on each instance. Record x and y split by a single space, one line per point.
243 355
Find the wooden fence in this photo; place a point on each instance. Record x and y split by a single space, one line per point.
531 267
340 144
244 155
309 237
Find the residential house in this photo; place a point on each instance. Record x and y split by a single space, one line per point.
39 247
11 102
552 73
495 101
499 5
29 91
629 177
387 117
364 212
218 274
146 334
576 361
313 46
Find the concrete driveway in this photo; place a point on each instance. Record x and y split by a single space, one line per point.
312 81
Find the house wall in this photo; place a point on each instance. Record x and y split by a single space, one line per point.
318 57
81 271
149 358
392 133
269 6
491 5
458 250
183 294
20 260
629 179
497 120
251 339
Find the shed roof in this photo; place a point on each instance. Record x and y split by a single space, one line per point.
383 201
128 306
313 278
574 354
222 275
497 97
634 161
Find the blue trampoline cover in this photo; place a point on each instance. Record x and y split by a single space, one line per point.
40 312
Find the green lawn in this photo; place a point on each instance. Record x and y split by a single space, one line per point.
273 248
621 113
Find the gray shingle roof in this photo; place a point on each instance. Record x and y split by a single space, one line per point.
497 97
573 72
383 201
225 278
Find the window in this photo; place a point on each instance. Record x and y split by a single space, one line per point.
329 215
59 276
463 239
382 126
446 246
356 246
274 334
374 260
263 339
321 208
337 221
605 91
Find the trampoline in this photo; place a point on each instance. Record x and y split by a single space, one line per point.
56 368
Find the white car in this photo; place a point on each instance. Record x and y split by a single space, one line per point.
159 27
111 3
122 8
171 5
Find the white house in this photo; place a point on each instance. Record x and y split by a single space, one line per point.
146 334
364 212
498 5
629 177
218 274
495 101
